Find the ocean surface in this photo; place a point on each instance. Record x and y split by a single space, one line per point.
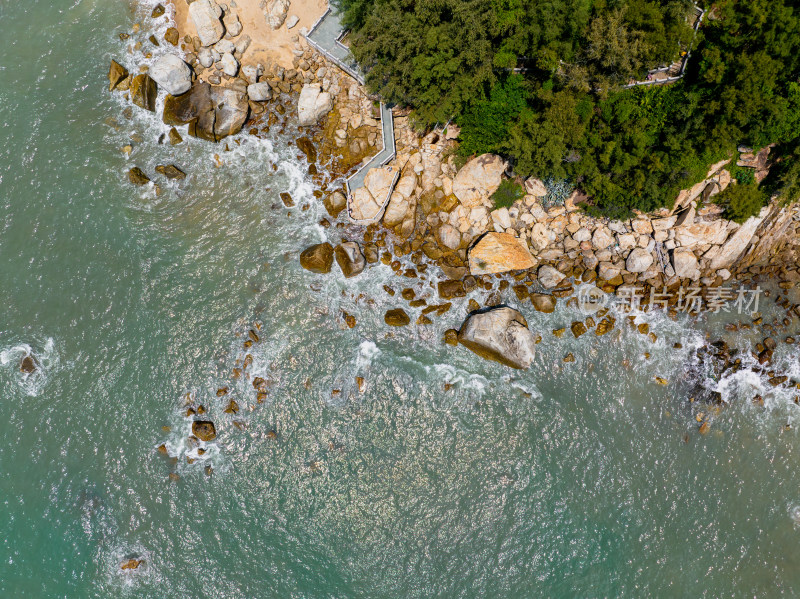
443 476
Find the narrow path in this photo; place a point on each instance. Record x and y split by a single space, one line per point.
325 36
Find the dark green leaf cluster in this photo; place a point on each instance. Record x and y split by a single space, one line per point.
543 82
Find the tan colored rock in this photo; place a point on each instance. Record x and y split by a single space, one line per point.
499 252
639 260
737 242
499 334
205 14
363 206
684 262
535 187
602 238
699 233
478 179
549 277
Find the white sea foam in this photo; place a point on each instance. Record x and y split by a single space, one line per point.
46 358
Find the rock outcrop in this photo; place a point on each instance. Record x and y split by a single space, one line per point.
317 258
478 180
500 334
204 430
313 104
499 252
172 74
368 203
350 258
275 12
116 74
205 15
212 112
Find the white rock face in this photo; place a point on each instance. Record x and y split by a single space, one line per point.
259 92
172 74
313 104
252 72
397 209
233 26
685 264
276 12
450 236
223 46
549 277
737 242
478 179
292 21
639 260
205 15
501 218
205 57
500 334
700 233
230 66
602 238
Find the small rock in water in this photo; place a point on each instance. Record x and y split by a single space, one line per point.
116 74
451 337
27 365
172 36
170 171
144 91
137 176
158 11
350 258
204 430
131 564
286 198
578 328
174 137
704 428
543 302
396 318
569 358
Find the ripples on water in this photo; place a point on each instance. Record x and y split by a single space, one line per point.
445 476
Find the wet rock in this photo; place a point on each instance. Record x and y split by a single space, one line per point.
499 252
144 91
500 334
174 137
131 564
205 15
307 147
204 430
212 112
137 176
543 302
317 258
578 328
286 198
396 318
334 203
172 74
451 337
116 74
549 277
172 36
451 289
569 358
170 171
158 11
350 258
27 365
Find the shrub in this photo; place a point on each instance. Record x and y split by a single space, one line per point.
741 201
508 193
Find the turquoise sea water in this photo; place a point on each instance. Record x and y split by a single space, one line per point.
447 476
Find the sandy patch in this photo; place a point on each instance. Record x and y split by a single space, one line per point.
268 47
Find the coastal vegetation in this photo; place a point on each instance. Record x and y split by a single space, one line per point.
544 84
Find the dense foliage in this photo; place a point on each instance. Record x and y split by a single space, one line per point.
509 192
542 81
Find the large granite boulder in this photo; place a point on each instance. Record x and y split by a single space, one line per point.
212 112
685 264
313 104
317 258
499 252
172 74
144 92
116 75
478 179
275 12
205 15
350 258
639 260
692 234
500 334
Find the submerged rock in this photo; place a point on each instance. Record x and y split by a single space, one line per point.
317 258
500 334
144 91
170 171
204 430
350 258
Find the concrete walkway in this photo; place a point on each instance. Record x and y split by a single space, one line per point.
325 36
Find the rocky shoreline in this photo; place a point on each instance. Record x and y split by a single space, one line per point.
440 232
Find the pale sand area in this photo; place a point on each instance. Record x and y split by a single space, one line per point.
268 47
